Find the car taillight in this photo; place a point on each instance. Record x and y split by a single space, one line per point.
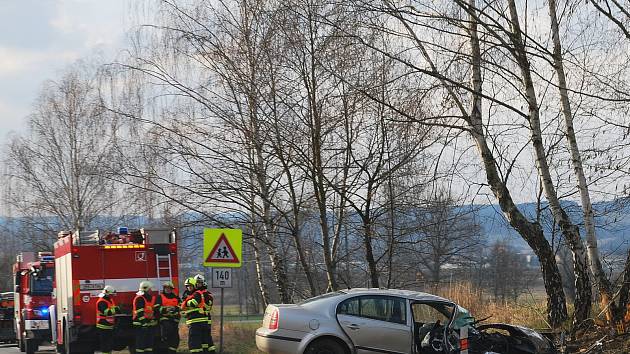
273 322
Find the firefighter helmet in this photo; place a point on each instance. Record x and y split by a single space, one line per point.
145 286
168 284
199 280
190 282
109 290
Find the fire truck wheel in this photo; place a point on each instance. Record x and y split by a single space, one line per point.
66 339
31 346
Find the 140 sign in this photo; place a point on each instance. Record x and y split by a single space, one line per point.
221 277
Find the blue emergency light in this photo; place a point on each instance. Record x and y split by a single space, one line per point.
44 310
122 230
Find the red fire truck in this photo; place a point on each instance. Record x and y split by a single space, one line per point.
33 275
88 261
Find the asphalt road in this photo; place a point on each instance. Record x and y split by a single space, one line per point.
13 349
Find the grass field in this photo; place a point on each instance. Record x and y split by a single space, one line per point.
238 337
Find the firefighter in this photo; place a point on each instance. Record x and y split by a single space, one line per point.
193 308
146 307
105 310
200 283
169 318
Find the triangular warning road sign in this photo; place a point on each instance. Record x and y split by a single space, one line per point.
222 252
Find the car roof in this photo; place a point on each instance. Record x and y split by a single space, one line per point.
409 294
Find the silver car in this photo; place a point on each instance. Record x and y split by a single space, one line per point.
374 321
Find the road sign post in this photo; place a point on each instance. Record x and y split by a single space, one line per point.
221 278
222 250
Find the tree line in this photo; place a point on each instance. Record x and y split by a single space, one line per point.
342 134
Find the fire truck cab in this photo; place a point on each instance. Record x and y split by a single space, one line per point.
88 261
33 275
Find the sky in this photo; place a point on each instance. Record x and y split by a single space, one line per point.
39 38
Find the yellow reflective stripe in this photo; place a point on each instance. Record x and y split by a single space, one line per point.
192 303
212 348
102 326
172 348
195 350
148 350
110 311
192 310
196 320
139 350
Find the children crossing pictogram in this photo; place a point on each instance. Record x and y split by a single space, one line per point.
223 252
222 248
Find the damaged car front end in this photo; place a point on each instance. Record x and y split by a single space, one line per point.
500 338
505 338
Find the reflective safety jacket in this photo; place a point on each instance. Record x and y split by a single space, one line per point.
193 307
105 310
170 307
208 300
145 310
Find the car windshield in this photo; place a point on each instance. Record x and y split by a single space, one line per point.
321 297
42 282
463 318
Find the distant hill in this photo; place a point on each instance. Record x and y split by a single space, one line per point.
612 222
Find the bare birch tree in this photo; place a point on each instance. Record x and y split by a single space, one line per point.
60 167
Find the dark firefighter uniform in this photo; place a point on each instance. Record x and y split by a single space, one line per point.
169 321
146 307
193 309
207 342
105 310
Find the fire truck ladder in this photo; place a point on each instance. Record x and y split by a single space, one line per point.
164 271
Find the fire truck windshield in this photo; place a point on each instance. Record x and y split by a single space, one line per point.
42 282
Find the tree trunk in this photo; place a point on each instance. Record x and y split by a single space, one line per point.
279 275
318 178
569 230
259 272
624 294
302 259
601 281
531 232
369 252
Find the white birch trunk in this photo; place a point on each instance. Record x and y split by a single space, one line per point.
569 230
601 281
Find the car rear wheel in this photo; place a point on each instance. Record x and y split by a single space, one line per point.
325 346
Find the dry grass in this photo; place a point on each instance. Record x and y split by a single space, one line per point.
528 311
238 337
